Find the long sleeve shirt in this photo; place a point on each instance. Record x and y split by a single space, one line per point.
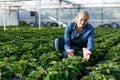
87 33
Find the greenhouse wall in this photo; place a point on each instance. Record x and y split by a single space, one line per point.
53 15
98 16
11 18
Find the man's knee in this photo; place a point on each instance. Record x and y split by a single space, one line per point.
59 43
56 42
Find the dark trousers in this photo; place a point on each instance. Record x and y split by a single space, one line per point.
77 44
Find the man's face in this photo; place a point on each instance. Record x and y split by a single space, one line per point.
82 21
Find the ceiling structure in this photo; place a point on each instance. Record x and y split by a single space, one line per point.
33 4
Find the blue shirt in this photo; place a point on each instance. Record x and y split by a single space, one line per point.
87 33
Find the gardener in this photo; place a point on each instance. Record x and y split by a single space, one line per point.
78 36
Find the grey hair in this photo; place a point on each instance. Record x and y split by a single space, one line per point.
80 13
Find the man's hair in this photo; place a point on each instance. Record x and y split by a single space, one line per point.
80 13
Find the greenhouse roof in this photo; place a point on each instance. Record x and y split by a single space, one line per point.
93 1
69 1
72 1
35 4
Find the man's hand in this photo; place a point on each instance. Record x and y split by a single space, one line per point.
86 53
70 52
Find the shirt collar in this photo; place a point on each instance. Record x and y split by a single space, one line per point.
74 27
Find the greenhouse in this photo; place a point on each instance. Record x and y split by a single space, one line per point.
57 12
28 29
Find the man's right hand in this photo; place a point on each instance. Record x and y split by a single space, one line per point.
70 52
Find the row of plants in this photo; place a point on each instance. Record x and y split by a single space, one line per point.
108 67
29 54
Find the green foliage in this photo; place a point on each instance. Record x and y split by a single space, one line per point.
29 54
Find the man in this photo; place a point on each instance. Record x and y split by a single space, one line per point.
78 36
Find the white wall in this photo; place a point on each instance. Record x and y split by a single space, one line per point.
11 18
